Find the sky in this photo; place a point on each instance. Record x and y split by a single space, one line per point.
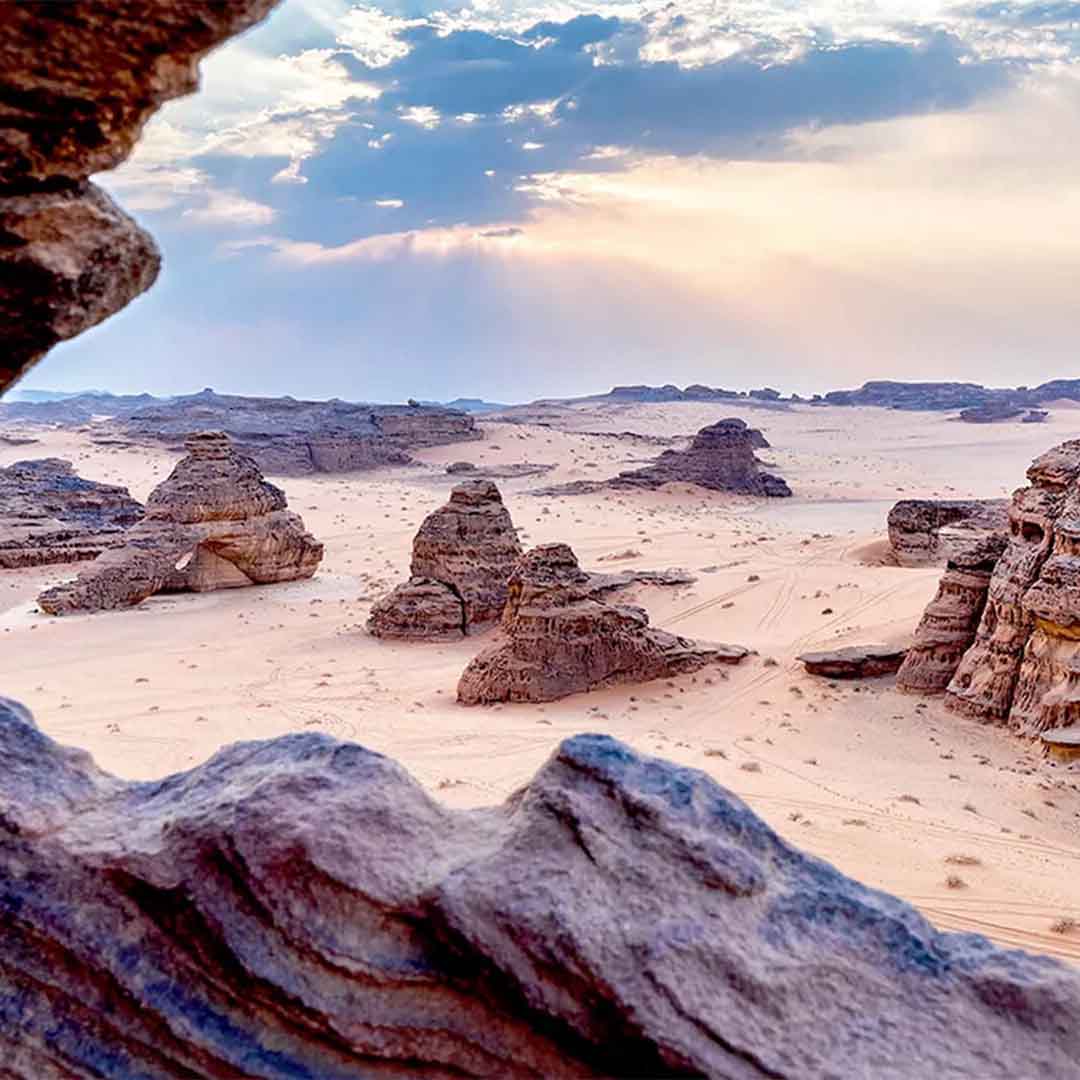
512 199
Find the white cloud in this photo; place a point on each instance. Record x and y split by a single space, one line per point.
390 204
228 208
422 115
372 35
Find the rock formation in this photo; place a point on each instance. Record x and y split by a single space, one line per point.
48 514
916 525
947 396
560 639
1030 630
462 557
853 661
949 624
215 523
721 458
301 907
77 82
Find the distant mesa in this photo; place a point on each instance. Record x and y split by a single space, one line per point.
50 514
559 639
983 404
720 458
924 532
215 523
853 662
285 436
462 558
1001 411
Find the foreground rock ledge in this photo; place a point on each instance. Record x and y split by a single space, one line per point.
303 908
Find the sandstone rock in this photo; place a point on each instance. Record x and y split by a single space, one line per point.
915 527
721 458
301 907
462 557
456 467
560 639
48 514
77 83
854 661
215 523
991 414
1028 632
950 622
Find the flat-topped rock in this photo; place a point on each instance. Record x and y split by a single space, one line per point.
560 639
917 528
50 514
462 558
1062 743
215 523
853 661
720 458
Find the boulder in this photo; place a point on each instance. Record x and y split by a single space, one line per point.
1030 628
301 907
916 527
720 458
559 639
854 661
462 557
78 82
49 514
215 523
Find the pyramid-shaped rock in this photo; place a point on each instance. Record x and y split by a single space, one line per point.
461 562
560 639
215 523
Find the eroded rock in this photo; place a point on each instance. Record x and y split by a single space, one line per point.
720 458
854 661
49 514
302 907
560 639
462 558
918 527
215 523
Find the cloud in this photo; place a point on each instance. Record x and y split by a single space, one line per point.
229 209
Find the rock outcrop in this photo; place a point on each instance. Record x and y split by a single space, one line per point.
462 558
77 83
301 907
951 620
560 639
215 523
720 458
49 514
916 527
1030 629
853 661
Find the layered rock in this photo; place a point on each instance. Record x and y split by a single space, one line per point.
853 661
462 558
561 639
720 458
77 83
302 907
1030 629
916 527
49 514
951 620
215 523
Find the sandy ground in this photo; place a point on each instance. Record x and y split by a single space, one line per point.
894 790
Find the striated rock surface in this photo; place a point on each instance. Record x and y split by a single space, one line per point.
215 523
1030 629
462 558
721 458
916 527
949 624
49 514
77 83
853 661
301 907
560 639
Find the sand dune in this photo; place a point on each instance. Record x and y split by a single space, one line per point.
889 788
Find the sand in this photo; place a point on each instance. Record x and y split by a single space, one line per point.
892 789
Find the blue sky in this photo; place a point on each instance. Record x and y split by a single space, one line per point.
511 200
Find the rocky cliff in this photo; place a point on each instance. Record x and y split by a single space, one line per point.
303 908
721 458
49 514
462 558
923 532
215 523
560 639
